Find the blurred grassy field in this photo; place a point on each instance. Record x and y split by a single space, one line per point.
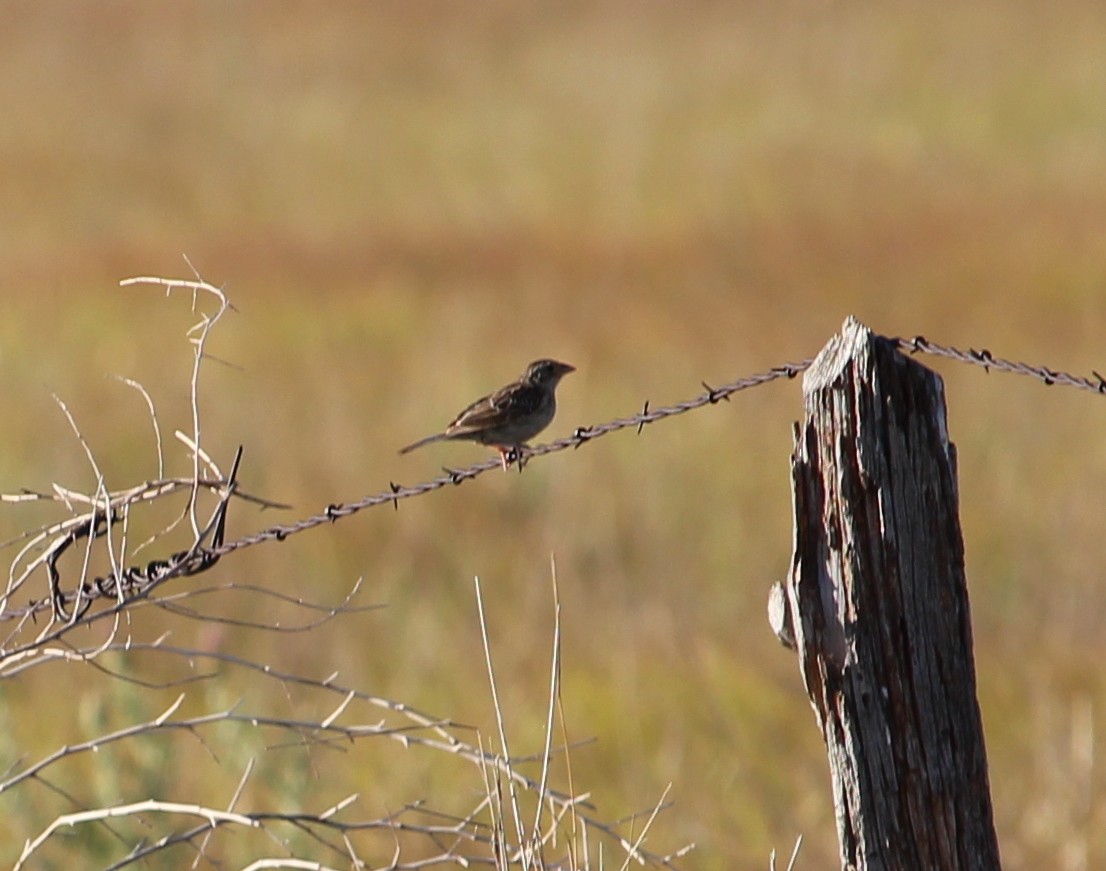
407 203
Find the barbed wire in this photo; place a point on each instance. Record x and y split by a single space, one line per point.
579 437
141 580
988 361
711 396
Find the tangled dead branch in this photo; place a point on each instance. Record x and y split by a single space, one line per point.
98 527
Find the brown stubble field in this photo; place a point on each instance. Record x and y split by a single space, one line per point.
407 203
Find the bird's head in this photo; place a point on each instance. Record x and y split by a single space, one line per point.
546 372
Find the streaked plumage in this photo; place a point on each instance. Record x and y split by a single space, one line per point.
511 416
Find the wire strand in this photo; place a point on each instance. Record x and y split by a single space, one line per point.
141 580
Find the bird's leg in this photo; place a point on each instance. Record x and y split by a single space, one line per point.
512 454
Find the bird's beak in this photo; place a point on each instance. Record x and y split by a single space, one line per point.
565 368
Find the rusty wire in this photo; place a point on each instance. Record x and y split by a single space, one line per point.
140 580
580 436
988 361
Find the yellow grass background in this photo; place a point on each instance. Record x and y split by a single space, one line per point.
406 204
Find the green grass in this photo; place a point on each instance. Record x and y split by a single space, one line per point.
407 205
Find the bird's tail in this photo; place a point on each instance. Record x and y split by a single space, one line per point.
437 437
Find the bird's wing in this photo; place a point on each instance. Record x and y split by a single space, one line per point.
493 410
518 399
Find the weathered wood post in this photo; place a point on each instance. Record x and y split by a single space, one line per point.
877 605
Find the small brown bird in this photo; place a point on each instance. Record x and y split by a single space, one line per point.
511 416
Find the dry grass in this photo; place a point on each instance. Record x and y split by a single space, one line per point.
409 204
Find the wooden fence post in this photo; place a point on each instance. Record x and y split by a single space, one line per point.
877 607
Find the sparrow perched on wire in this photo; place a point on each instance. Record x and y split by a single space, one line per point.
511 416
